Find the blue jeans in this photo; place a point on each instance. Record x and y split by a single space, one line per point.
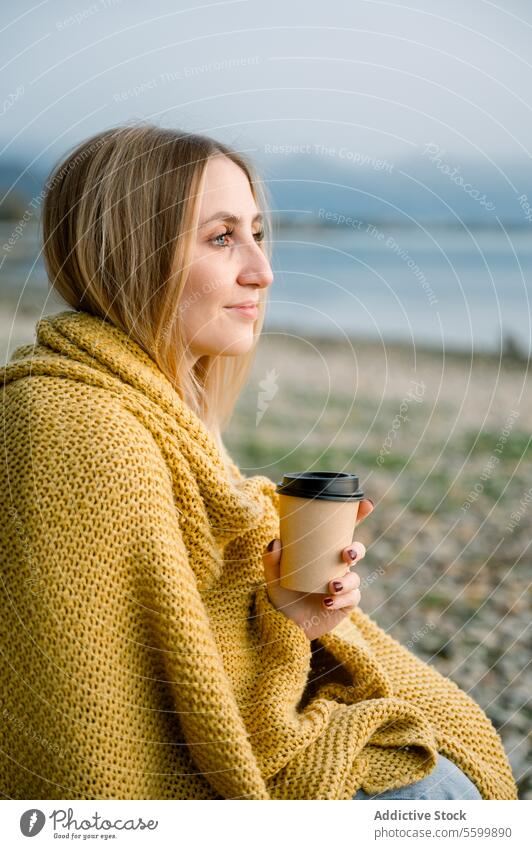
446 781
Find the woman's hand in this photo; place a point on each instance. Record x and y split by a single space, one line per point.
317 613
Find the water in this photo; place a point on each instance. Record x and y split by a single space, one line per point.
442 287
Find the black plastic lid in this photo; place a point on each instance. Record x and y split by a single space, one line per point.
329 486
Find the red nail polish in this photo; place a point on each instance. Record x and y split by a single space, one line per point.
328 601
352 553
337 586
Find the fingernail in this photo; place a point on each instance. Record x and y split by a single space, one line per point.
352 553
337 586
372 502
271 545
328 601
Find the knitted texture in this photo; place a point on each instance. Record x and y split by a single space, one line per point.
141 655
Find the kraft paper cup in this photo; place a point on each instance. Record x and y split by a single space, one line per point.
317 516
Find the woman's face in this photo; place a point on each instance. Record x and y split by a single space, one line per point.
228 266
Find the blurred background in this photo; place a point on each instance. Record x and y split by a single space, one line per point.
395 140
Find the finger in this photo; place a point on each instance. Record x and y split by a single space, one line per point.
349 581
350 599
365 507
273 553
271 560
355 551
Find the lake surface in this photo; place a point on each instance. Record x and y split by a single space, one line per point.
442 287
445 287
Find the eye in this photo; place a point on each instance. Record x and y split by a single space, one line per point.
259 236
221 236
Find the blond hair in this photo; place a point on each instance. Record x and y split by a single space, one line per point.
120 215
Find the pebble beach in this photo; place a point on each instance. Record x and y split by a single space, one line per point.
442 444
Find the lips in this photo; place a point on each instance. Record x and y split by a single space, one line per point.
249 310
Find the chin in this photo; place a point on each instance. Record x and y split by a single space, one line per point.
239 346
237 350
232 346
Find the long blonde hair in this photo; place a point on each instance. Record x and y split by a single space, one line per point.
120 215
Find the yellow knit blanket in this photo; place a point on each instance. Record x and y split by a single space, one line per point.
141 656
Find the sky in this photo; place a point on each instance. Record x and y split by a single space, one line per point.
379 79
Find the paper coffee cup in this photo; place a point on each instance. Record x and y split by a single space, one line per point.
317 515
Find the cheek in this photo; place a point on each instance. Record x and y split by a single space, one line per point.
205 295
207 284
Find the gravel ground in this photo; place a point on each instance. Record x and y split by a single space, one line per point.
442 444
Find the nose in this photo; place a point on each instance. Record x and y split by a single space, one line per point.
255 267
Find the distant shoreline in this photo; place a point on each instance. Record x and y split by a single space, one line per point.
438 224
23 325
509 357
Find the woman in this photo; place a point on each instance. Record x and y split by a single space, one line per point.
148 649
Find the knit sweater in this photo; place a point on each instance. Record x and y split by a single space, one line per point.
141 655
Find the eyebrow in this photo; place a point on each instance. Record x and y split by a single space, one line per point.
222 215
